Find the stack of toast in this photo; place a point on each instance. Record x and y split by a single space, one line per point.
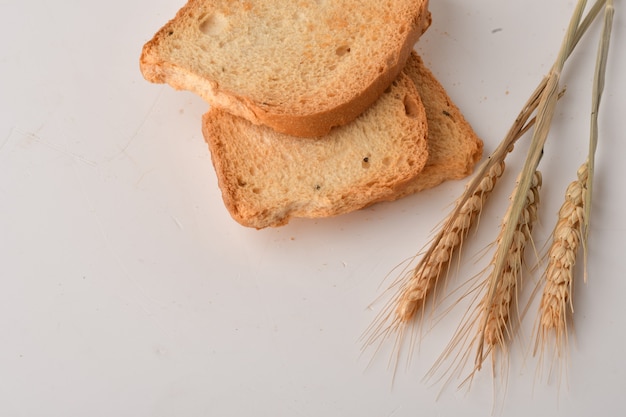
317 107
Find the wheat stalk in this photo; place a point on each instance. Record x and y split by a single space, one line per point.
418 282
487 326
510 234
572 228
414 287
545 112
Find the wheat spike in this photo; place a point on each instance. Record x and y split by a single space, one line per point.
556 299
496 305
425 276
486 326
417 283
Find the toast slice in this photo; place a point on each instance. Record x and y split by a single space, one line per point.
300 67
268 177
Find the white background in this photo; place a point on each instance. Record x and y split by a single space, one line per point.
127 290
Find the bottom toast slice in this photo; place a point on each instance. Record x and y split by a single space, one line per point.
267 178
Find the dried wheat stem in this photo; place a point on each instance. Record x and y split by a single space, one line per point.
598 89
572 228
496 304
567 237
545 112
509 236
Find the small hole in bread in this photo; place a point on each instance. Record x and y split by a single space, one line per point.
411 107
342 50
366 162
214 24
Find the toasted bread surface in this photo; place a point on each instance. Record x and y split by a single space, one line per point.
267 177
300 67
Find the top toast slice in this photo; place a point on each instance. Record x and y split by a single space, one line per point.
299 67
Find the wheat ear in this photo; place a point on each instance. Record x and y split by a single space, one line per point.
426 274
572 228
417 283
496 305
509 236
556 299
486 325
